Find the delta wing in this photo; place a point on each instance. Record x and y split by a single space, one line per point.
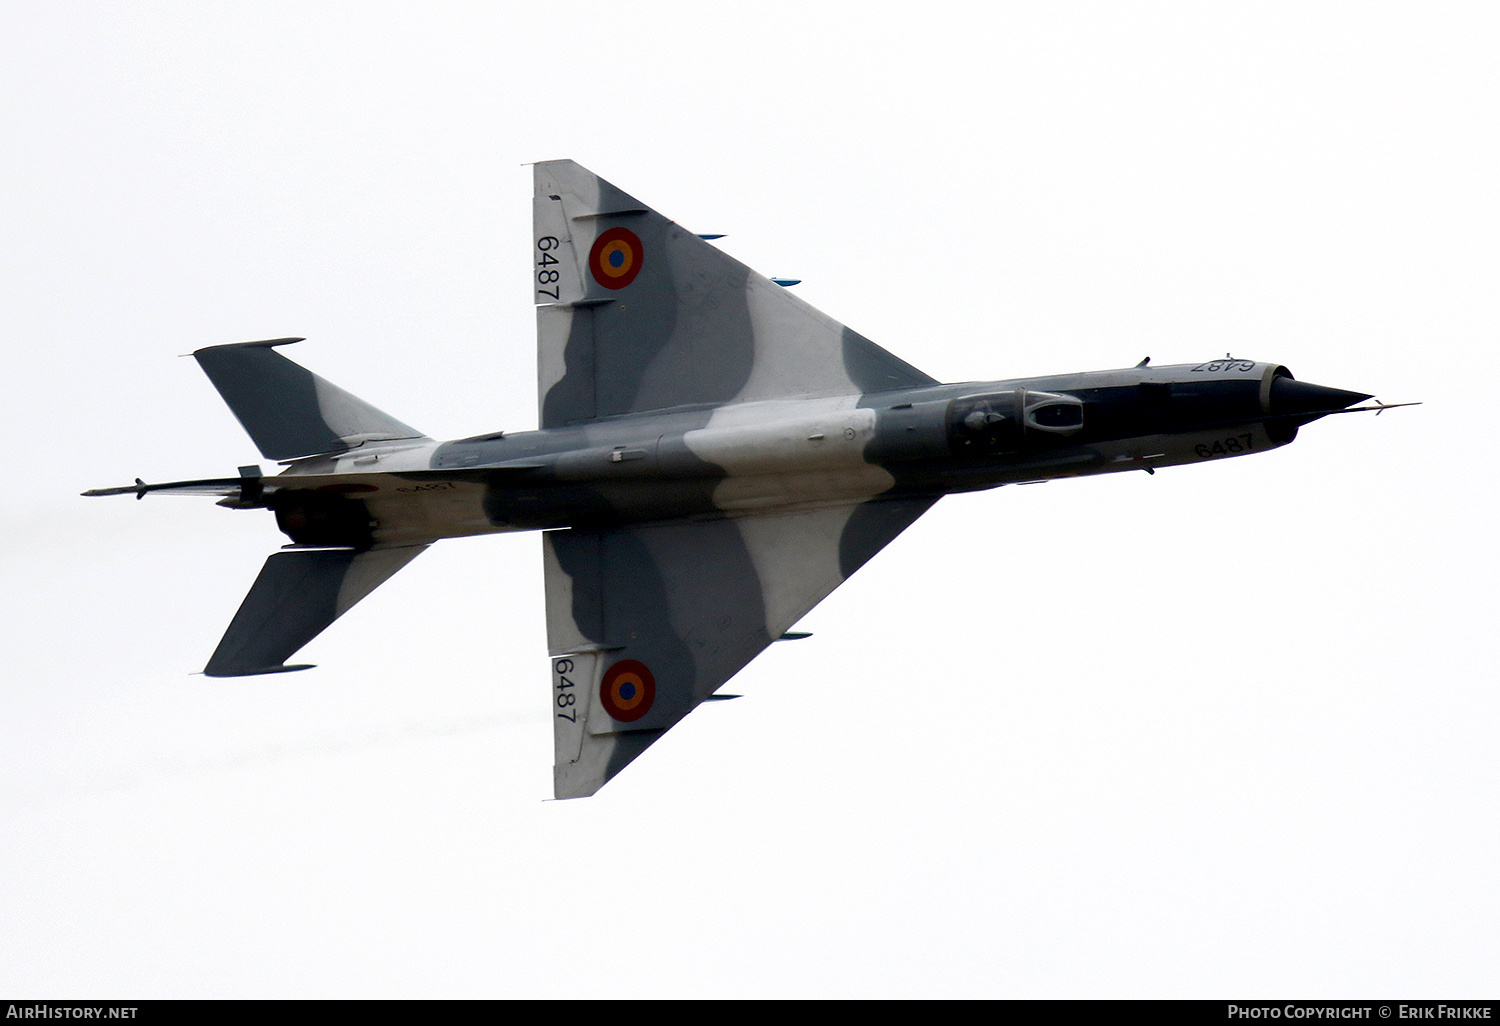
645 623
635 313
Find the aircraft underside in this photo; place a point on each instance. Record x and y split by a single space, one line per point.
714 457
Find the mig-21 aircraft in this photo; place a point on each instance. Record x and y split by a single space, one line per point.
714 457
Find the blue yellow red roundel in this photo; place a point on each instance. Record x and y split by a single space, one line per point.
627 690
616 258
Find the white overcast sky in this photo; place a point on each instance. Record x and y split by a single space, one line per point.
1225 731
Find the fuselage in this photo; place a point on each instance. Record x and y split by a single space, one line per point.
715 457
800 453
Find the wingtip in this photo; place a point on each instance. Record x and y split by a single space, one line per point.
265 343
256 671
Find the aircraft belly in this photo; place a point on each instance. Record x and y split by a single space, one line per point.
1171 450
406 511
1142 452
652 501
750 436
776 457
1152 452
735 466
805 489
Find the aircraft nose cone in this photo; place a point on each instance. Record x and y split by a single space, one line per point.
1290 396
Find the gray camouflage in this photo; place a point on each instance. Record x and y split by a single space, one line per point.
714 457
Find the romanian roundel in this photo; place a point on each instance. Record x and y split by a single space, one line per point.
627 690
616 258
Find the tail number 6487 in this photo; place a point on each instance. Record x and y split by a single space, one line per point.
1225 447
546 274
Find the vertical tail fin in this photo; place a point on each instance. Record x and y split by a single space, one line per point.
297 595
288 410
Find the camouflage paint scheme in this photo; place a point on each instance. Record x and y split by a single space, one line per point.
714 457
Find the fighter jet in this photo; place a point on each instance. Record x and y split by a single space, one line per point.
714 457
